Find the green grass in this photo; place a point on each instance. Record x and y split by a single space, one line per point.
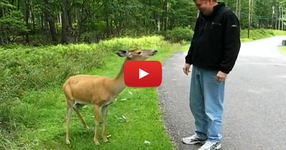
259 34
283 49
36 119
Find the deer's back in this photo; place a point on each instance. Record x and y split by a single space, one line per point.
87 88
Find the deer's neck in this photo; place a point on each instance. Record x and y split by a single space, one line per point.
118 82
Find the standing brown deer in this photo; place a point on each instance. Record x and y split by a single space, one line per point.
98 91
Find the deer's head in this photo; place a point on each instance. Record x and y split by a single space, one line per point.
137 54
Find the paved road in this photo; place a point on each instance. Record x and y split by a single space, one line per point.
255 100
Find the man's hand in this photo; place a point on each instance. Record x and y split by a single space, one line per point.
186 68
221 76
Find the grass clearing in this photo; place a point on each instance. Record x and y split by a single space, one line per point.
283 49
260 34
33 114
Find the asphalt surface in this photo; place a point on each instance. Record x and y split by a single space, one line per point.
255 99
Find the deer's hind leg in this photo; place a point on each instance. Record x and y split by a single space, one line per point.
68 116
76 108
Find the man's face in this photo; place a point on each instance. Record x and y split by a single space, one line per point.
205 6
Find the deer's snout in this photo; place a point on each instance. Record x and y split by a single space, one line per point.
154 52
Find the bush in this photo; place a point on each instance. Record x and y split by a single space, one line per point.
25 68
179 34
36 68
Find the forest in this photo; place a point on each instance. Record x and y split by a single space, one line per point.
40 22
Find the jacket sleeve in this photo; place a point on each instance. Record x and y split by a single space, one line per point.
188 58
231 42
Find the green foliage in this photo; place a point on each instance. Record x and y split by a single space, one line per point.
12 25
126 43
88 34
259 34
283 49
6 4
36 68
92 21
179 34
40 67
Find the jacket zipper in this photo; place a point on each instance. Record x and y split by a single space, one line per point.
205 23
205 26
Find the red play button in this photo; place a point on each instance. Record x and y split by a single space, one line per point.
143 73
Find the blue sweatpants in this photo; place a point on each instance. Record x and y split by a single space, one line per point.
206 103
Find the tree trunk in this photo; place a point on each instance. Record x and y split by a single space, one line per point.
49 18
27 19
64 23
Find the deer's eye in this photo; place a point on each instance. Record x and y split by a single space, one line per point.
139 53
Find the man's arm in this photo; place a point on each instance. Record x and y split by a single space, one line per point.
232 43
188 58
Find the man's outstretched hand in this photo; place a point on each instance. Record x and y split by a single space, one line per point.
186 68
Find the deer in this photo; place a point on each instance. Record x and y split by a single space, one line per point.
99 91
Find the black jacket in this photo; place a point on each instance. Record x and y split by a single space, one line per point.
216 40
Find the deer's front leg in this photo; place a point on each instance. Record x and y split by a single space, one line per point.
96 117
104 115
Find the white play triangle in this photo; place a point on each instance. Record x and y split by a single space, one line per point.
142 73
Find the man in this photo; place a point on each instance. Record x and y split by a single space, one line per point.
212 54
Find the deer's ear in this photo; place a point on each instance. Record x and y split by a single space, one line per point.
121 53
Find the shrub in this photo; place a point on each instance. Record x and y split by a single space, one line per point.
179 34
36 68
23 68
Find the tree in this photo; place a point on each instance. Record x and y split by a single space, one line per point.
47 21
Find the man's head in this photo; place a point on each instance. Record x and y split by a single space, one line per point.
205 6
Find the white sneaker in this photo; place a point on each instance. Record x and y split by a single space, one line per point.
211 146
194 139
